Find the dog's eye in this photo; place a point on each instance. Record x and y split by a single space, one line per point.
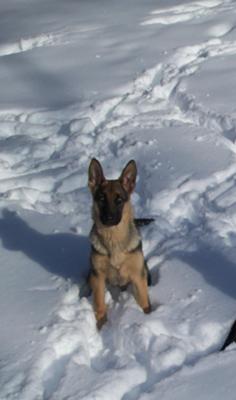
118 200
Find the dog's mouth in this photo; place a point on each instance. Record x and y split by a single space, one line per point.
110 221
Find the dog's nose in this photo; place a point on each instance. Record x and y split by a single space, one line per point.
110 219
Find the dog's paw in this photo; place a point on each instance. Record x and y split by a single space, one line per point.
147 310
101 321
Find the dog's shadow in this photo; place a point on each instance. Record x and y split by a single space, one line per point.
62 254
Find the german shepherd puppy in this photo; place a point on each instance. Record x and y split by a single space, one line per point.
116 247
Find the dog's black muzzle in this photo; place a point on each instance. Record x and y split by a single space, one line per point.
110 220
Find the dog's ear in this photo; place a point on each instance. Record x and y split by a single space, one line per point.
128 176
95 174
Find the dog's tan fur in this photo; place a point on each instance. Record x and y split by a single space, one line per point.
116 255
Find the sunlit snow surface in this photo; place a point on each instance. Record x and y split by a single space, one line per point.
149 80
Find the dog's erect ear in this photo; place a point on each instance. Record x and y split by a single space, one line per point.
128 176
95 174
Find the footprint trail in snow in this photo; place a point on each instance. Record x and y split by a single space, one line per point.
185 151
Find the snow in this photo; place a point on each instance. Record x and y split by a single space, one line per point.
150 81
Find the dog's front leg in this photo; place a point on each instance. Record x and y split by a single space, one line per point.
140 289
137 270
97 283
138 278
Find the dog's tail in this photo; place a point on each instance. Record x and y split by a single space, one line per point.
143 221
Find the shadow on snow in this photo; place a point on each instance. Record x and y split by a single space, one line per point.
213 265
62 254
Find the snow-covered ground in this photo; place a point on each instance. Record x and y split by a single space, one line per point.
150 80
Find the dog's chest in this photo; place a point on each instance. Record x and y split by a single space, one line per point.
116 260
116 245
117 273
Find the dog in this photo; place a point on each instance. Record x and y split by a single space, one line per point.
116 247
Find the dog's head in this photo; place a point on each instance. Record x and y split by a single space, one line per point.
111 195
